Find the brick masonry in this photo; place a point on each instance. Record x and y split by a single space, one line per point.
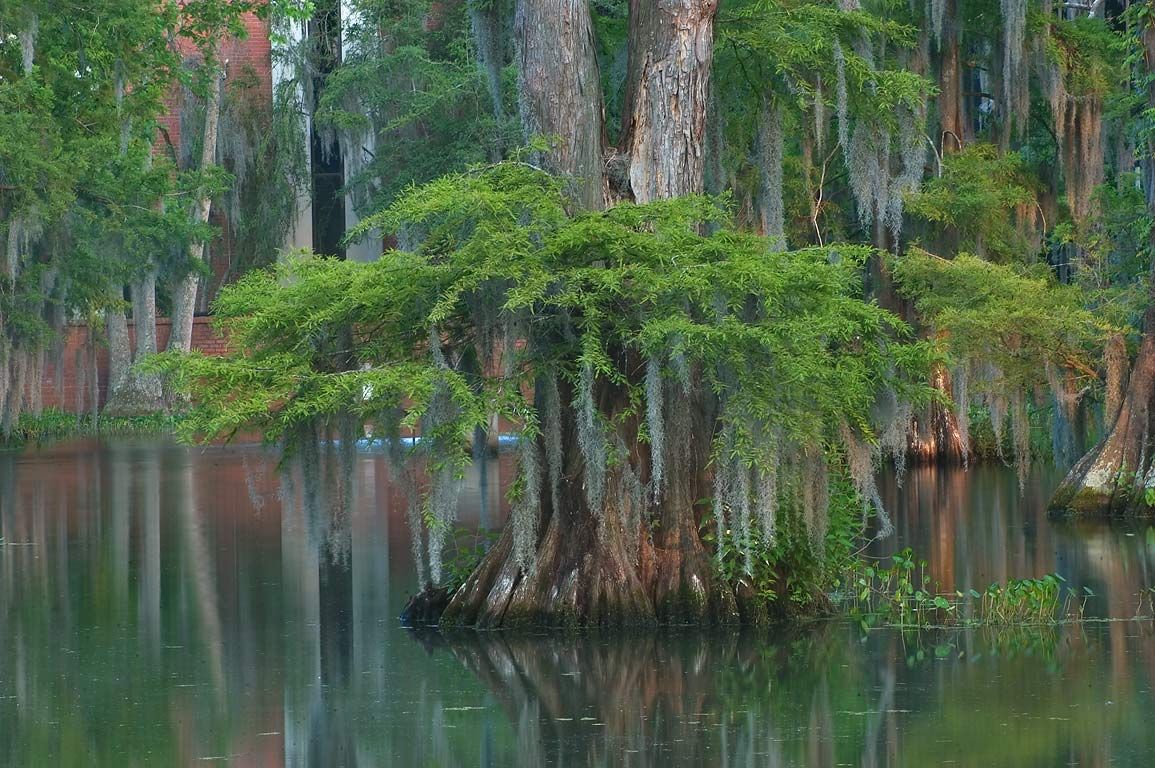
68 381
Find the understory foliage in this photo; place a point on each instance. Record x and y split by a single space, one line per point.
510 305
1013 334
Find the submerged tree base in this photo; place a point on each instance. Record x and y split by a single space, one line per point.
1114 479
599 589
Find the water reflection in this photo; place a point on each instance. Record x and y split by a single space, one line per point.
162 606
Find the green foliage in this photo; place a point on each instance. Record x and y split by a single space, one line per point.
790 573
85 205
1112 252
975 199
466 548
1014 318
53 424
792 42
506 287
421 103
903 595
1088 53
499 247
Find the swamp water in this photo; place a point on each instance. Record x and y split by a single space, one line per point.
157 608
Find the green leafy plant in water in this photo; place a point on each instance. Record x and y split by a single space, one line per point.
789 571
903 595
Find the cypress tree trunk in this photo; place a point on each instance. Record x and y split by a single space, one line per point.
938 437
604 567
1113 478
671 51
144 314
607 567
119 348
560 91
131 392
14 401
185 290
952 122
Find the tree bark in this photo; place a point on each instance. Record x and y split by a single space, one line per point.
952 122
1112 480
937 437
560 92
185 291
485 22
144 315
671 51
14 401
130 391
119 348
586 573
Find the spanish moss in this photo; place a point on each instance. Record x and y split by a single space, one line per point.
591 440
770 165
526 508
655 424
842 103
28 35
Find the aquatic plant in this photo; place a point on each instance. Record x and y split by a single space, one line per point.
902 594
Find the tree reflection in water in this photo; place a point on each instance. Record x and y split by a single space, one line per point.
160 606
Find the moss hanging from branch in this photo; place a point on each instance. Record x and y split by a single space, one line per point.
27 36
842 97
656 425
936 11
770 164
912 154
591 440
868 162
766 498
525 513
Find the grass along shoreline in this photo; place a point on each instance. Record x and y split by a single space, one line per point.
53 425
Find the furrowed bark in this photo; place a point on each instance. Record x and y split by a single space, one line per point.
560 91
130 391
668 89
144 314
952 123
583 573
119 347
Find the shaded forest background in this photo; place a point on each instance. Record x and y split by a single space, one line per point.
994 153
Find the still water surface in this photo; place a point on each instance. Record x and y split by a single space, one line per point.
157 608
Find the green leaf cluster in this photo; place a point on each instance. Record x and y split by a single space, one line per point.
505 286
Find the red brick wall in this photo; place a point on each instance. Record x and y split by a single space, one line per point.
68 385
